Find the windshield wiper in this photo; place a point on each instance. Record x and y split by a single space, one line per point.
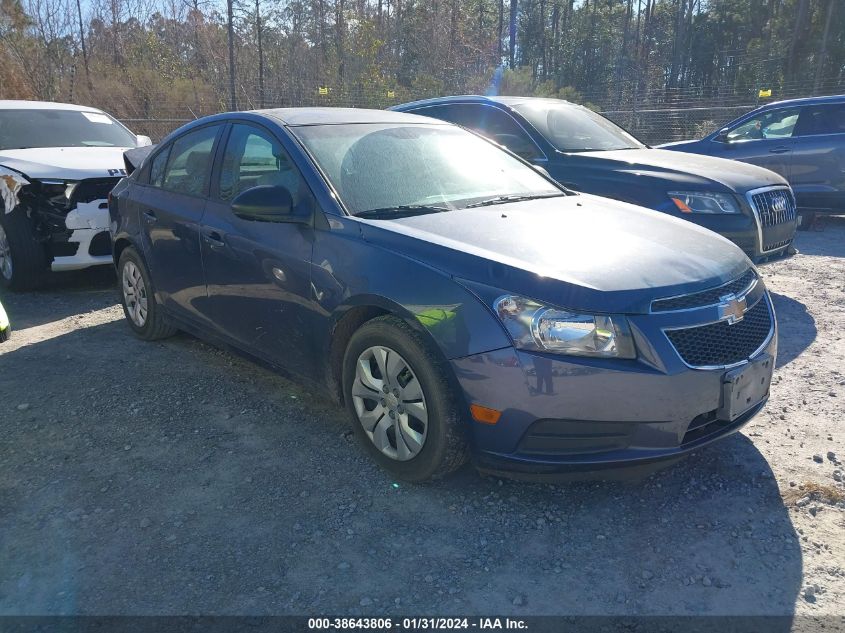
401 210
507 199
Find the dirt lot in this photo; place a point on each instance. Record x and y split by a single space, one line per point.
171 478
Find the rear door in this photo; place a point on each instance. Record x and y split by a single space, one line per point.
258 273
171 208
818 159
765 139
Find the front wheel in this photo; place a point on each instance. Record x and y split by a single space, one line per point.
23 259
144 315
401 404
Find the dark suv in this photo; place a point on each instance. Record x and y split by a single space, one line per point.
582 150
802 139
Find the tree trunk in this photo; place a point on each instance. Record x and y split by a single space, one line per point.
84 50
823 48
512 33
258 35
233 95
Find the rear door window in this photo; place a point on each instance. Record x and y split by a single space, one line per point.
189 165
821 119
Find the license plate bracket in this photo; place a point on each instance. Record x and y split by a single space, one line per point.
744 387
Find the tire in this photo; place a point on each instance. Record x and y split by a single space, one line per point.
444 445
23 260
137 296
808 219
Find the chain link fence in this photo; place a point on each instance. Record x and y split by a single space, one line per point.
655 116
652 126
655 126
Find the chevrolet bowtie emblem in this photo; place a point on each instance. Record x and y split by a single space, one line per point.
732 308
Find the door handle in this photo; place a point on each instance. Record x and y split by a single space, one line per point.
213 239
779 150
150 217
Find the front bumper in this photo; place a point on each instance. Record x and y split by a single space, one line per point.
564 413
89 243
742 230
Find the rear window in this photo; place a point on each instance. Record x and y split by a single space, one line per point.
821 119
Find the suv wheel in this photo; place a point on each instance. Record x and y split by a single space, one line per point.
23 260
806 220
401 404
144 315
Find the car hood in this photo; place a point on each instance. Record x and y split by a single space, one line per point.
581 252
65 163
688 169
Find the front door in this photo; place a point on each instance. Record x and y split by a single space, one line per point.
258 273
766 139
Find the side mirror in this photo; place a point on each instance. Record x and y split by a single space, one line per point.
267 203
143 141
722 136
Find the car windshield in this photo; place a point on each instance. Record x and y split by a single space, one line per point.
22 129
418 167
574 128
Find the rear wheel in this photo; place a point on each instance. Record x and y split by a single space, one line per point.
144 315
23 260
401 404
806 219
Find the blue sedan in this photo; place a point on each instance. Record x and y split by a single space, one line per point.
457 301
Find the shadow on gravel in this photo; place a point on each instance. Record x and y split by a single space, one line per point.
63 295
796 328
172 478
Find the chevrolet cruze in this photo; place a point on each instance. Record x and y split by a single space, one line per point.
454 299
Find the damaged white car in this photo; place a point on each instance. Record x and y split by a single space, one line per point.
58 163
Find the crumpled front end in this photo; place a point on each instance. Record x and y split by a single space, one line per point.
71 219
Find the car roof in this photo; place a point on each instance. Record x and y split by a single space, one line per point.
509 101
804 101
22 104
325 116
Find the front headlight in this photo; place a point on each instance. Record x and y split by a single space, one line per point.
537 327
704 202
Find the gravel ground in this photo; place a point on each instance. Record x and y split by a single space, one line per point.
173 478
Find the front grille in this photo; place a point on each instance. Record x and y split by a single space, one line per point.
705 297
93 189
774 207
718 344
703 426
776 245
574 437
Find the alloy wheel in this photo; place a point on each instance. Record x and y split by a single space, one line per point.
390 403
5 255
134 293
